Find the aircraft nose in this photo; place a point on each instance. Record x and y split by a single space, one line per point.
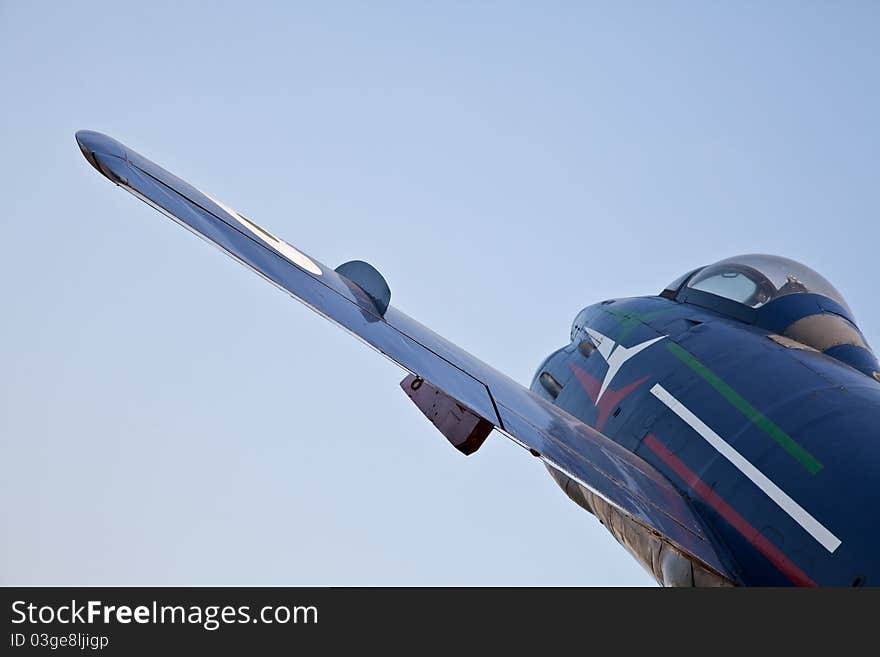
96 147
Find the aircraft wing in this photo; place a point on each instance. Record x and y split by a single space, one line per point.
615 474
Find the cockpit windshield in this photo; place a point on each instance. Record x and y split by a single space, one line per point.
755 280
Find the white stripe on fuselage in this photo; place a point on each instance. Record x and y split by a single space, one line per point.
812 526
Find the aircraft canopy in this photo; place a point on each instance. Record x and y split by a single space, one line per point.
757 279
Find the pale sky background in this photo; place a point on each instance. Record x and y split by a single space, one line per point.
166 417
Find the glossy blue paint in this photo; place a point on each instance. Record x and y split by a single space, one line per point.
860 358
616 474
768 401
827 407
781 313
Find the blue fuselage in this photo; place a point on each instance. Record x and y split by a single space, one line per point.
774 443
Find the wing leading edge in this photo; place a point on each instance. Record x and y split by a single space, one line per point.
615 474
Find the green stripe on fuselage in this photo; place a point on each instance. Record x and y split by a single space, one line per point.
629 319
810 462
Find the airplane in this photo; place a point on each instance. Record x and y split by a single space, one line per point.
723 431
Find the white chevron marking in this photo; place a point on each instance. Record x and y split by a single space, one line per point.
615 357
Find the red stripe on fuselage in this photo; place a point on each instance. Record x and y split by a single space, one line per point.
610 399
752 535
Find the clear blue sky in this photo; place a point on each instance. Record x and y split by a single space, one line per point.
168 418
